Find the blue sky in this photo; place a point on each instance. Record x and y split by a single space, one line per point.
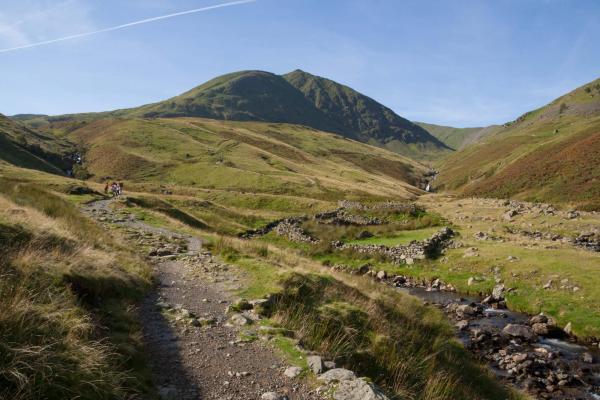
460 63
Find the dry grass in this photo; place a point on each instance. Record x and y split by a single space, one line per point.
58 287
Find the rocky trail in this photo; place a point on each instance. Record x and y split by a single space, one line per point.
196 349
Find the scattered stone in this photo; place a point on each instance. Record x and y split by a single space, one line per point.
587 358
329 365
315 363
519 331
568 329
240 320
462 325
292 372
358 389
381 275
540 329
336 375
272 396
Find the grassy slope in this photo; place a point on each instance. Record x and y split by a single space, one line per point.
66 329
458 138
275 159
550 154
27 148
365 119
296 98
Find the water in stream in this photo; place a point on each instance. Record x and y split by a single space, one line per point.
568 354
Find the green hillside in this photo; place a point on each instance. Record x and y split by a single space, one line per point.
296 98
458 138
24 147
550 154
364 119
242 156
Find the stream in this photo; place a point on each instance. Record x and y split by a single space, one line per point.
547 367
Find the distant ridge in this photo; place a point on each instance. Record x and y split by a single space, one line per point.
296 98
551 154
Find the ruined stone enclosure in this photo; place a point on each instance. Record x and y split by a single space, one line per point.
357 227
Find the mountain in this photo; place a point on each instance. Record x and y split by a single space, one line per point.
551 154
458 138
25 147
258 157
364 119
296 98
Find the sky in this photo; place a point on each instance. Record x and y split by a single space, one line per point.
458 63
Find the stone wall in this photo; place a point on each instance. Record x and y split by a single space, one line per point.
405 254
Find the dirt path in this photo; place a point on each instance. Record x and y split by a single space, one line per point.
195 350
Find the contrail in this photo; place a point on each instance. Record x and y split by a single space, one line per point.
115 28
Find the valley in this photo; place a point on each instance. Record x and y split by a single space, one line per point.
275 240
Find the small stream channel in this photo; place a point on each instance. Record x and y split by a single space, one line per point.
551 356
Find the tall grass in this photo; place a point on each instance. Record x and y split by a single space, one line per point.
406 348
62 279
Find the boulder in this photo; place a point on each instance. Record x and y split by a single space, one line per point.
337 375
518 331
538 319
358 389
465 309
587 358
498 292
381 275
540 328
315 363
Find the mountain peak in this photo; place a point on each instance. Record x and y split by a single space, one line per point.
298 98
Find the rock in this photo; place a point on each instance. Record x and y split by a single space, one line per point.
239 319
292 372
587 358
568 329
465 309
548 284
329 365
540 328
381 275
538 319
462 325
315 363
518 331
509 215
272 396
336 375
520 357
471 281
358 389
498 292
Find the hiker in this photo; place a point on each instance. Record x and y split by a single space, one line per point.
113 189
